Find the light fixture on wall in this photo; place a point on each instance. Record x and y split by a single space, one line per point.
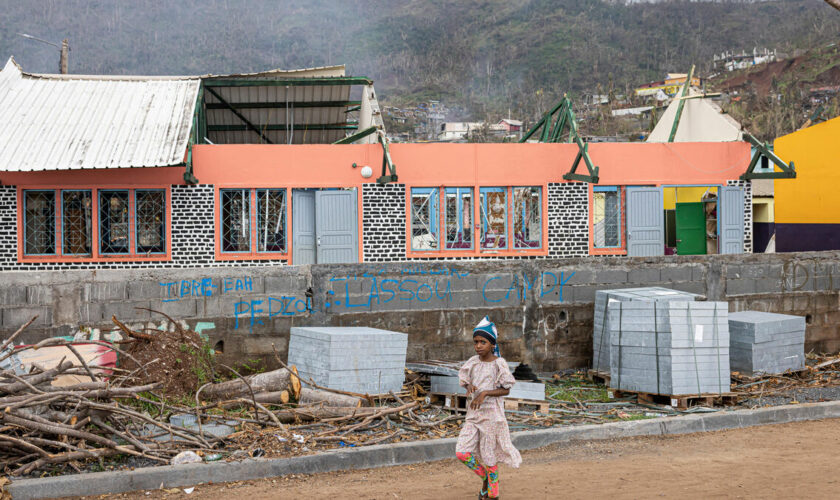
367 172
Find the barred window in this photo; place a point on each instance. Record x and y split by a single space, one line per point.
113 222
236 220
150 209
39 222
494 218
459 218
527 220
271 220
424 219
76 222
606 217
94 223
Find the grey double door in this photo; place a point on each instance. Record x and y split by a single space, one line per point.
325 227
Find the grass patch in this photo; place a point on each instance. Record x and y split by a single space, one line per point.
576 388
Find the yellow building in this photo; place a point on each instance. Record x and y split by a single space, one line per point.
807 209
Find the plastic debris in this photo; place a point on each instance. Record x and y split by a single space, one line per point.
185 457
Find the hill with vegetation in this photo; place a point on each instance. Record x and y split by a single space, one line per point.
484 56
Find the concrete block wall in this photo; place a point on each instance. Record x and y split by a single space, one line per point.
543 308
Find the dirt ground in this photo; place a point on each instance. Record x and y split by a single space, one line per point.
796 460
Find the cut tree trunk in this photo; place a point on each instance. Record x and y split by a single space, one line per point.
274 381
313 396
318 413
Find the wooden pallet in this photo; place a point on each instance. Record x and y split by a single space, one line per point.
598 377
681 401
455 402
527 405
459 402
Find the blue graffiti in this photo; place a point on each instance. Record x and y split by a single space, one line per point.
274 306
176 290
520 291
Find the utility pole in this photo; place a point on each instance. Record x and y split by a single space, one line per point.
65 54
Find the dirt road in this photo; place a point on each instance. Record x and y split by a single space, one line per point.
780 461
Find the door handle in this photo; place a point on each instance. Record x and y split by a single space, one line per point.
319 241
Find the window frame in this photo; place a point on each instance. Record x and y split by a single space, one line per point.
513 219
621 249
478 223
459 209
165 221
96 255
434 216
252 253
93 229
22 227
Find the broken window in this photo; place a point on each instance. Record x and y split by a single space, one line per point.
39 222
459 217
76 222
236 220
113 222
494 218
271 220
150 207
424 219
606 217
527 219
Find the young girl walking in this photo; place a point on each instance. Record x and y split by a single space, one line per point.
485 439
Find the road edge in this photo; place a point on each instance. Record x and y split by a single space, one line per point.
385 455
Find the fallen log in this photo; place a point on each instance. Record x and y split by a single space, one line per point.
318 413
310 396
273 381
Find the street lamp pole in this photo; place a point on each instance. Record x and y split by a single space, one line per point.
64 49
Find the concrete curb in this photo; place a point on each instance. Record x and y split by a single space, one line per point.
401 453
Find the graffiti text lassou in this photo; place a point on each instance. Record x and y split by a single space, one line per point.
368 291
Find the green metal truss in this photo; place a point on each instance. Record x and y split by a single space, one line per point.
551 128
681 105
389 170
766 155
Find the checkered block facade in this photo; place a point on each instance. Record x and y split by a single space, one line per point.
191 230
383 222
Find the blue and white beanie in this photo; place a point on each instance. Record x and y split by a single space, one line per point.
487 329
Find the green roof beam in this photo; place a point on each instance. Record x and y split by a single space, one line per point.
788 171
290 82
281 104
235 128
681 104
358 135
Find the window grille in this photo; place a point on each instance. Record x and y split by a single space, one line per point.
459 218
271 220
39 222
494 218
606 217
76 222
150 207
236 220
113 222
527 220
424 219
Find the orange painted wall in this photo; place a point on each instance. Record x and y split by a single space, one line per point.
435 164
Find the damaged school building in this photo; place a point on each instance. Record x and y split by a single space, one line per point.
211 198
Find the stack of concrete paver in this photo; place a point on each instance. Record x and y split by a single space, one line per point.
521 390
601 336
672 348
355 359
762 342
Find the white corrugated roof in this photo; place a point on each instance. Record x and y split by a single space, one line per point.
61 122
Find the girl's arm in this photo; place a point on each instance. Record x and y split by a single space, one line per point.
476 403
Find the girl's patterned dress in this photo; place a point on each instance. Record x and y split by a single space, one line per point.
485 437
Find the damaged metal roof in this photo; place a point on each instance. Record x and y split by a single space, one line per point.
62 122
